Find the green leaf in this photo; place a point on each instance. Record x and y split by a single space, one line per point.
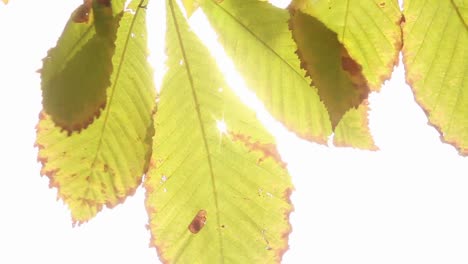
336 75
369 30
213 196
353 129
190 6
76 73
462 9
256 36
105 162
435 55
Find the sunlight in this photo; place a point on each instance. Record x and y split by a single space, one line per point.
405 203
222 127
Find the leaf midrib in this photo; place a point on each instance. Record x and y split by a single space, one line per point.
114 84
200 122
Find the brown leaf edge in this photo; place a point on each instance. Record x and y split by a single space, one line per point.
52 172
81 15
398 45
410 81
269 151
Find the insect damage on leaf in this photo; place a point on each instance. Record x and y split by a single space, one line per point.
74 88
337 77
198 222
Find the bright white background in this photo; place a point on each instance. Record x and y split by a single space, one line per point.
407 203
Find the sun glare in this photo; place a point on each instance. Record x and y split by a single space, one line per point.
222 127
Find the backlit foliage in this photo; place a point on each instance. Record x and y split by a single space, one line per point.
217 191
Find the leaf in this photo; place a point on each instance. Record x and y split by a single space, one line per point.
190 6
213 195
353 129
76 73
462 9
256 36
336 75
435 55
104 163
369 30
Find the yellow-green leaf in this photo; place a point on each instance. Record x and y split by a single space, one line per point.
105 162
256 36
435 56
353 129
336 75
190 6
369 30
215 193
462 9
76 73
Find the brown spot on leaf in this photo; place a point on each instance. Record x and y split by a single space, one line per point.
402 19
81 13
382 4
355 74
198 222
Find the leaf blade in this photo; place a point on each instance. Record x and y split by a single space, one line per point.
337 76
203 185
104 163
255 35
435 56
351 132
71 100
370 31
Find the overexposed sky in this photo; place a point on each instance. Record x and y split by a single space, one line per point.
407 203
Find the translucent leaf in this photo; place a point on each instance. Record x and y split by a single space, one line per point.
351 132
190 6
369 29
256 36
370 32
105 162
435 56
76 73
462 9
336 75
217 191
